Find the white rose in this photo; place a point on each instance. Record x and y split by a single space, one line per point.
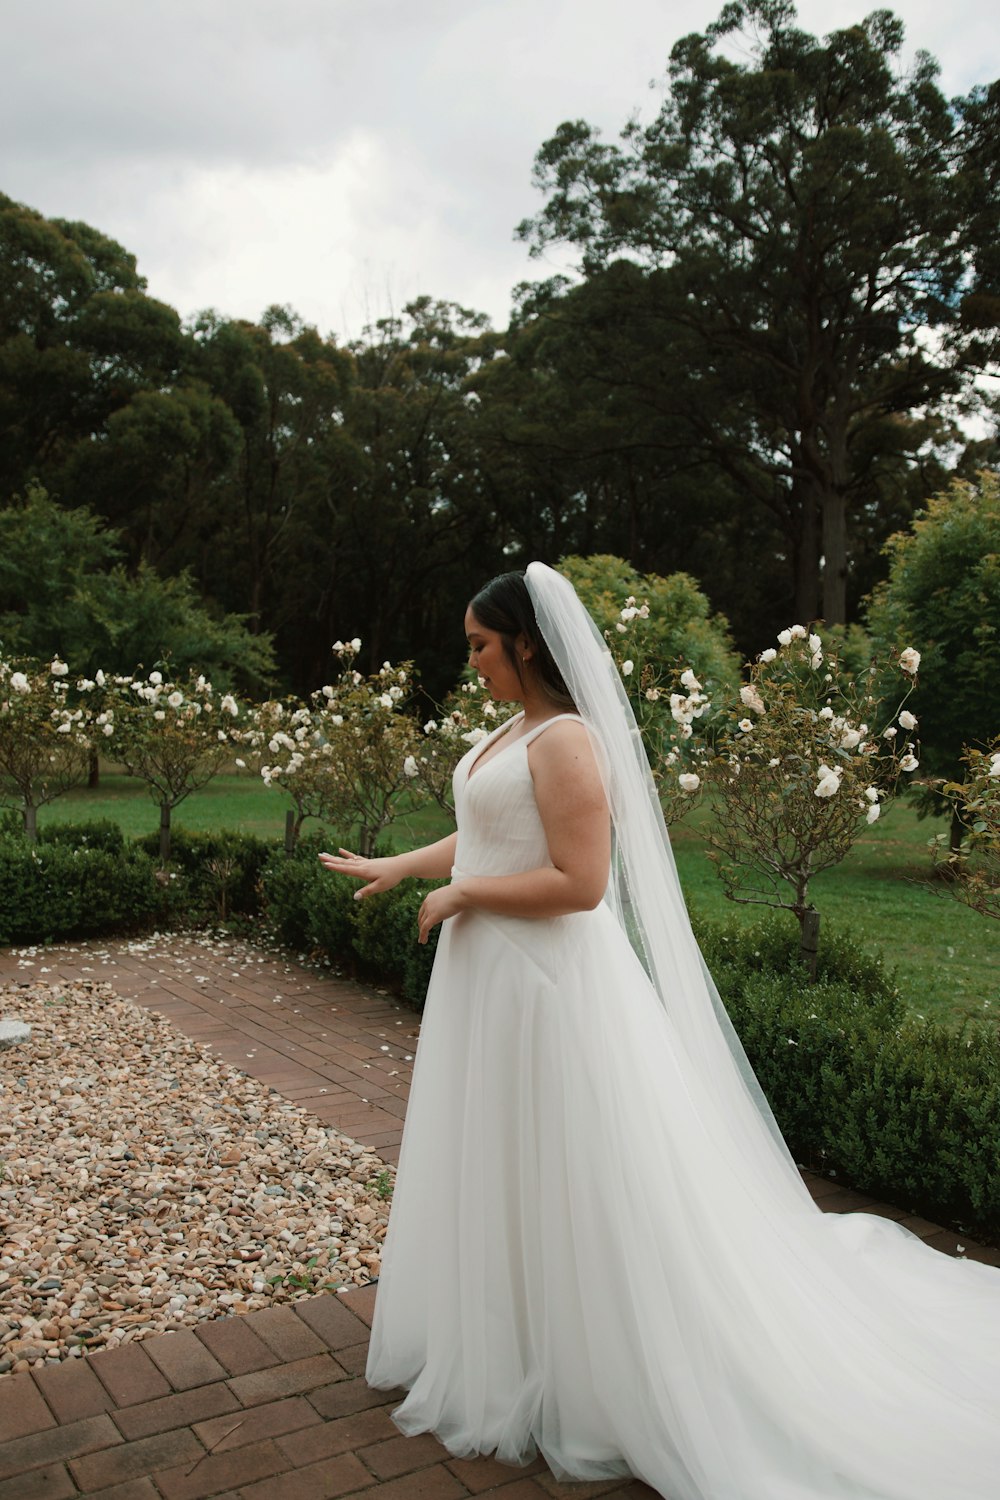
58 668
652 695
241 764
627 668
689 781
849 739
337 719
385 700
907 719
20 683
890 733
776 761
745 725
473 736
829 782
430 726
908 762
156 678
63 728
176 699
909 660
826 713
159 715
621 629
409 766
99 678
108 729
750 696
816 660
815 643
872 793
769 654
873 813
690 681
994 769
229 705
356 643
798 632
784 637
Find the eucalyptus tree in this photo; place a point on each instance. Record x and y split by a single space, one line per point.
803 248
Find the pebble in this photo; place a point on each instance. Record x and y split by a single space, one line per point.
146 1186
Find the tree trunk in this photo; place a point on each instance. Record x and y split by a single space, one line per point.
31 823
834 558
809 940
94 772
164 832
291 831
807 561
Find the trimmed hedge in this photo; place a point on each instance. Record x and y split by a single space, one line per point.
904 1108
52 890
309 909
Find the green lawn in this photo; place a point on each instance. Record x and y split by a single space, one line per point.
947 958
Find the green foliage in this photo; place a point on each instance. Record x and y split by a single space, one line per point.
943 594
100 833
52 891
681 627
761 261
310 909
903 1108
66 592
221 872
386 939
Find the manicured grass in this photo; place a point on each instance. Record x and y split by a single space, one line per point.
947 958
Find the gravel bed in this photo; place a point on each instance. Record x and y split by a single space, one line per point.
145 1186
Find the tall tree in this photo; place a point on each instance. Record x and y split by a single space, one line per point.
788 230
78 337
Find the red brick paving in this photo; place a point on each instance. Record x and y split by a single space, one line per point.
271 1405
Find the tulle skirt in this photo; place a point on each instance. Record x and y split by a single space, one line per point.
577 1264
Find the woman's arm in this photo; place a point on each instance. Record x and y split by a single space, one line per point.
432 862
574 813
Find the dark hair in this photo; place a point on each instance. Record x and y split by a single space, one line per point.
504 605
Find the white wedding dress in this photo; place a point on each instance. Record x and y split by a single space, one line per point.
580 1262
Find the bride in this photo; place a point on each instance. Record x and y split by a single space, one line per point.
599 1247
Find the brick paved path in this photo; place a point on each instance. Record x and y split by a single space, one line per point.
272 1405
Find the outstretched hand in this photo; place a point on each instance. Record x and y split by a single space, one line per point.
380 874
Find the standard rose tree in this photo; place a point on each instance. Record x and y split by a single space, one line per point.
174 736
807 757
44 735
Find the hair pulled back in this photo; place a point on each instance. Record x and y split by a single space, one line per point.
504 605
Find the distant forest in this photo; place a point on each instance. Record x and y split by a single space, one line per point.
787 295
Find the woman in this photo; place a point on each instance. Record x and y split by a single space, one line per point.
599 1246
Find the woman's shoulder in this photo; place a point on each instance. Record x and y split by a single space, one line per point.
563 741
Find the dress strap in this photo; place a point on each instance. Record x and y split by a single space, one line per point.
540 728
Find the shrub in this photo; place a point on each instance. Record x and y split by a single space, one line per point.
99 834
308 908
386 939
901 1107
220 873
51 891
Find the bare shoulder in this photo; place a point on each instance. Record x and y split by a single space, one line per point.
564 749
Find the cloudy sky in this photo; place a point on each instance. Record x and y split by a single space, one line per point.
343 156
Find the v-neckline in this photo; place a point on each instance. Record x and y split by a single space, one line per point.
498 734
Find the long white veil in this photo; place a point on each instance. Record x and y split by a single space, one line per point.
644 890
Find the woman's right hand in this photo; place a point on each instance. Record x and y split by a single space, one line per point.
380 874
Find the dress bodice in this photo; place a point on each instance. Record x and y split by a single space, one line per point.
500 830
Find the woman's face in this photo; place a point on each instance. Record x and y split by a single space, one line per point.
488 657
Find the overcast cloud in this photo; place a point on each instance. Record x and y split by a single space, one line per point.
343 156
